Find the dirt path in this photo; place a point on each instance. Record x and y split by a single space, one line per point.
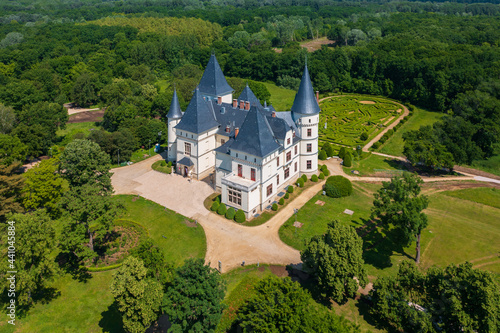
74 109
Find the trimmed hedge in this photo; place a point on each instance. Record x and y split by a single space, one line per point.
332 191
348 160
215 206
240 216
364 136
342 152
326 172
314 178
376 145
222 209
274 207
230 213
287 195
322 155
300 182
343 184
304 178
321 176
290 189
327 147
282 201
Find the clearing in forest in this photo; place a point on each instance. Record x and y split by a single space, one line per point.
344 118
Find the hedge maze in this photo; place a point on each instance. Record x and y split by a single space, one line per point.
347 117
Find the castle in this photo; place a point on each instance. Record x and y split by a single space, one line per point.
250 151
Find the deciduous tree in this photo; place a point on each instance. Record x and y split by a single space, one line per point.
11 149
11 184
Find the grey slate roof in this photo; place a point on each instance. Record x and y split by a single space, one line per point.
199 116
213 81
287 116
256 136
175 111
186 161
305 100
230 116
279 127
248 96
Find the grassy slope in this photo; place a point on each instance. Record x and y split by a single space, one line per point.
281 98
491 165
394 146
485 196
368 165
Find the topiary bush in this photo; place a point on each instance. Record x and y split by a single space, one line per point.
169 163
322 155
300 182
348 160
240 216
230 213
287 195
304 178
364 136
376 145
332 191
290 189
321 176
222 209
327 147
215 206
342 152
274 207
314 178
282 201
326 172
343 184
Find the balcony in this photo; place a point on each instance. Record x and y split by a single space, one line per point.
242 184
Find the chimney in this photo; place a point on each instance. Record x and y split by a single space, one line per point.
317 96
273 114
219 100
247 106
228 129
242 105
235 103
236 131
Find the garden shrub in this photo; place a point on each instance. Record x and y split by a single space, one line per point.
376 145
342 152
322 155
222 209
326 172
348 160
390 132
215 206
282 201
327 147
300 182
290 189
332 191
304 178
169 163
323 168
321 175
343 184
287 195
240 216
274 207
230 213
364 136
217 198
314 178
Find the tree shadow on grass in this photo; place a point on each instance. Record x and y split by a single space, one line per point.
363 305
71 265
111 320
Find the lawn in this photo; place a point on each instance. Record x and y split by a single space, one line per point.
375 165
491 165
394 146
172 232
482 195
347 117
281 98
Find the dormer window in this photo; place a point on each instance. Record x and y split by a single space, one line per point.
288 141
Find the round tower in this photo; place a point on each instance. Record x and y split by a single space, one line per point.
305 113
174 116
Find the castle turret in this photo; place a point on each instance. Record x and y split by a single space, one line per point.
174 116
305 113
213 84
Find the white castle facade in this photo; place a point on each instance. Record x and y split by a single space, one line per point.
251 151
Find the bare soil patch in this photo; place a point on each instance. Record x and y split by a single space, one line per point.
476 172
367 102
86 116
316 44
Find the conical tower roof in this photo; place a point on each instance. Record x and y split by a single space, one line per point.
305 100
198 117
248 96
213 81
255 136
175 111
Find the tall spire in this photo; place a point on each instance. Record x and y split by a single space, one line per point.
213 81
305 100
198 117
175 111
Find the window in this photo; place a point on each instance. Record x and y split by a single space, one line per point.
222 141
278 161
295 150
236 154
277 179
252 173
287 173
270 190
309 164
288 141
187 148
240 170
309 147
309 132
295 168
288 156
234 195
